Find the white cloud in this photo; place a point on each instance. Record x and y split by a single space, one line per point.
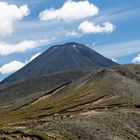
33 57
15 65
71 10
9 14
6 49
90 27
11 67
136 59
114 59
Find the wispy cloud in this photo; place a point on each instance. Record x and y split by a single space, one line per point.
120 49
118 14
71 33
22 47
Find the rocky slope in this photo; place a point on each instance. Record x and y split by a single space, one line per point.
101 104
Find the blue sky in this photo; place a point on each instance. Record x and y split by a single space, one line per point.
27 28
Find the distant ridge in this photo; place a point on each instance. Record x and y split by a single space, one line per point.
69 56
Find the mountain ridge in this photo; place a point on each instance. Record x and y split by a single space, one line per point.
102 103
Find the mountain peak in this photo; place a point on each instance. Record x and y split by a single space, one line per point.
69 45
58 58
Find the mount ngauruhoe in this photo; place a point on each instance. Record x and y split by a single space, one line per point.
70 56
70 92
